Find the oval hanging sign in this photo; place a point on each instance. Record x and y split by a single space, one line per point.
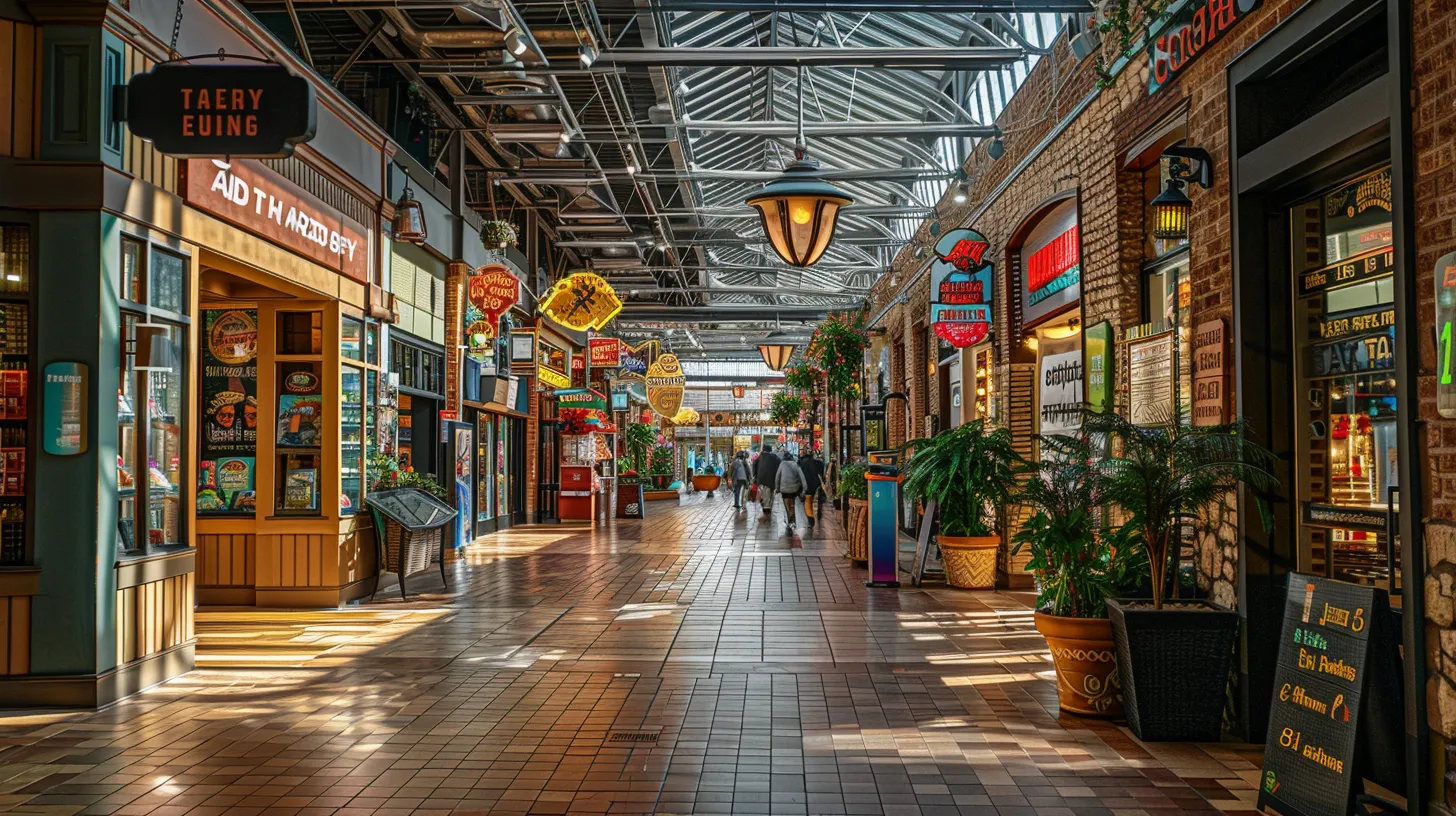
665 384
582 301
204 110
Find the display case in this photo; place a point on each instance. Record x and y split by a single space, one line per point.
351 439
15 415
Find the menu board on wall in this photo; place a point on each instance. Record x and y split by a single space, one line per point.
1059 385
1150 380
229 399
1319 681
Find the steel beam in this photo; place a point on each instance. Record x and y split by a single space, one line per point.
883 6
502 100
970 58
906 129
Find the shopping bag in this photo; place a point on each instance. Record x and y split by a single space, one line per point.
753 493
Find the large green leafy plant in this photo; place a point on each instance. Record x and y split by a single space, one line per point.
639 439
1072 563
385 473
661 462
1167 477
969 472
852 482
837 346
803 377
785 409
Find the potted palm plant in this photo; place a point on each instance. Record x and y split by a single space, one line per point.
968 471
1174 655
852 486
1076 572
639 439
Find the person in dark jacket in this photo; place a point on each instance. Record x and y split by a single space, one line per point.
765 471
813 471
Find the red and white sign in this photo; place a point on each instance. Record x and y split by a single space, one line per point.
254 197
961 284
493 290
604 352
1051 269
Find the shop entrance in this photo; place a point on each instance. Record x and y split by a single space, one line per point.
1322 310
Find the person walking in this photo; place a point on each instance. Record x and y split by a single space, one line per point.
741 474
789 483
764 472
813 471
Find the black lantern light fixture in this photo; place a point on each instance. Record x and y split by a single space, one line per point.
777 349
1170 209
408 224
799 209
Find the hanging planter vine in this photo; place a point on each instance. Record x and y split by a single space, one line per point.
1124 26
838 348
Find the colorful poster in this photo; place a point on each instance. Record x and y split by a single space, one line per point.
604 352
229 383
226 485
464 448
1098 362
300 421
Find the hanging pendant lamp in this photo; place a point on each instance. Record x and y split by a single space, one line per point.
408 224
799 209
777 349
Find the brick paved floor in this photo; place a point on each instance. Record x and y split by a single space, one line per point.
694 662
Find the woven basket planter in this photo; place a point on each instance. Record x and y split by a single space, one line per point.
1086 659
1174 664
406 554
859 530
970 561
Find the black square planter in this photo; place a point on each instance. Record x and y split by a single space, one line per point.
1174 664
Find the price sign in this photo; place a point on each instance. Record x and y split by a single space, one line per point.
1445 316
1319 679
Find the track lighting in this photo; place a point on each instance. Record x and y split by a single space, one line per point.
587 55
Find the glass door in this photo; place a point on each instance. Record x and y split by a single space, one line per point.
485 503
1344 325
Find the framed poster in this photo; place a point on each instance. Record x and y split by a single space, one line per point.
1150 380
1059 385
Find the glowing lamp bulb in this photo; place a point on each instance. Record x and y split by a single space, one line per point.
801 215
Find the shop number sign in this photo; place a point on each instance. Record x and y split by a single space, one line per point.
1446 334
241 111
1319 680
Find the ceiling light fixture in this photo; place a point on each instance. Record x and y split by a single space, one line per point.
799 210
960 193
565 136
587 55
515 43
996 149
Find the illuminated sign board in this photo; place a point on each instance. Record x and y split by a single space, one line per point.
960 288
1190 31
582 301
1051 266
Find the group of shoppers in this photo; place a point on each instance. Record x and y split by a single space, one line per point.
784 475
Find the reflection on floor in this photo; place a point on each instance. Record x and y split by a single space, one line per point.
694 662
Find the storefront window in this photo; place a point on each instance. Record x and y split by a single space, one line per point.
352 341
485 453
501 479
351 439
228 396
299 437
1344 318
150 431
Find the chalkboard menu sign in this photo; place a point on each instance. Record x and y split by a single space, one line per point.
1309 760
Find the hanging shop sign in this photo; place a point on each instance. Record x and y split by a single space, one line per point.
1150 379
960 288
203 110
665 385
63 414
635 360
1346 273
604 352
578 371
492 291
258 199
523 351
1189 32
553 364
582 301
1331 654
1360 355
1051 272
1210 374
1059 385
1097 366
1445 318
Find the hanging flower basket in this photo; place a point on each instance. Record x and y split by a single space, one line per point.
497 234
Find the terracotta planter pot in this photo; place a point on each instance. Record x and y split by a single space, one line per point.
970 561
1086 658
859 530
707 483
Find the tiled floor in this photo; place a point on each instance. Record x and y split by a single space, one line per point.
694 662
